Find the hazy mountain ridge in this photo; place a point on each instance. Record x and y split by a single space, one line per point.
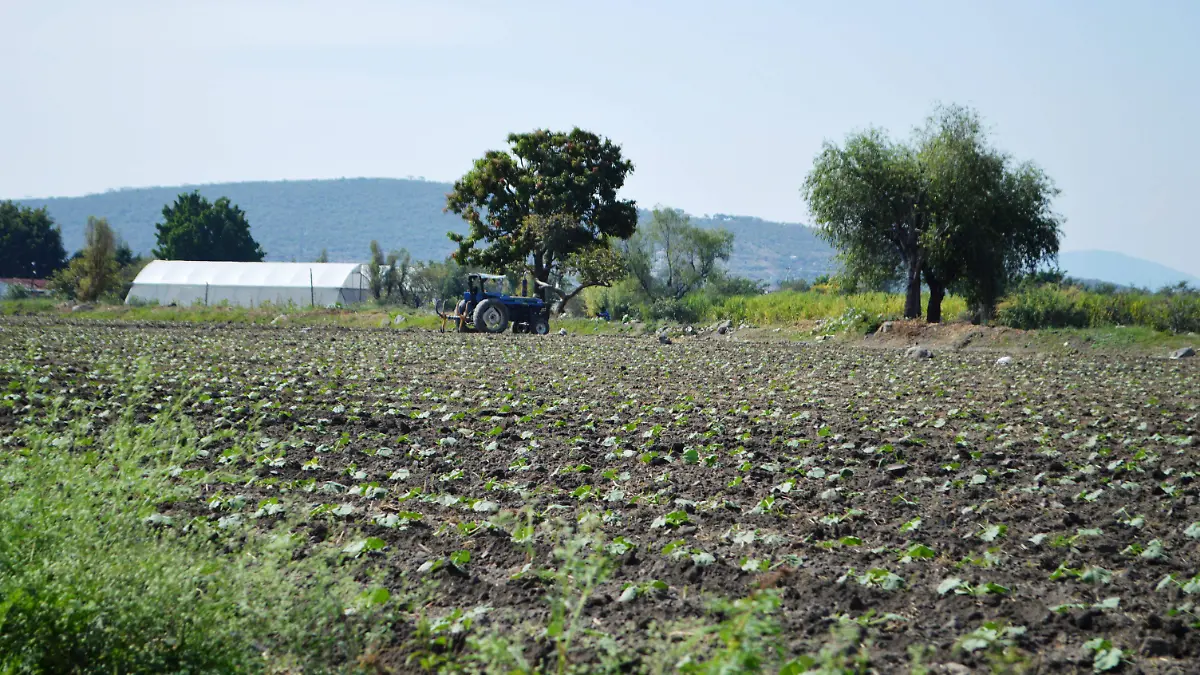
294 220
1121 269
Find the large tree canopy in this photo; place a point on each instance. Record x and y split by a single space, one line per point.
867 200
948 208
548 205
991 218
195 229
30 243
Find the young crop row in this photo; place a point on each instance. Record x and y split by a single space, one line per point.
609 503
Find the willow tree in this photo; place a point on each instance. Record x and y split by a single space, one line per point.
947 208
868 199
991 218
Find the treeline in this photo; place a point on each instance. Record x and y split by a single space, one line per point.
662 271
958 226
31 248
667 270
944 210
1042 300
193 228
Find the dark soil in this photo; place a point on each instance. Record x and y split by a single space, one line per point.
1009 469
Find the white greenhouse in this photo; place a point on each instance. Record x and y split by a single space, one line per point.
249 284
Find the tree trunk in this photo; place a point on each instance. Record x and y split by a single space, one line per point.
937 292
912 299
562 304
983 312
541 272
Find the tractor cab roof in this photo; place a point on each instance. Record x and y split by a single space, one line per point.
481 275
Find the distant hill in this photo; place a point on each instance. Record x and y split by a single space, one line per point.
294 220
1121 269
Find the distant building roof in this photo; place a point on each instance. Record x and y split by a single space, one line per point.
36 284
185 282
252 274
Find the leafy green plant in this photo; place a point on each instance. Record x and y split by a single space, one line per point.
1106 656
672 519
361 546
876 577
960 587
631 592
999 642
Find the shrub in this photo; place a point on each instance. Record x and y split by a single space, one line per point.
1042 306
621 299
670 309
1052 306
17 292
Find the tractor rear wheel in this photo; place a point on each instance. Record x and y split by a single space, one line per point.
491 317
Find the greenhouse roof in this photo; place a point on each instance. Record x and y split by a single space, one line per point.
266 274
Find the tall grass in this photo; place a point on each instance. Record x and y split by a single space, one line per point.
89 585
1052 306
786 307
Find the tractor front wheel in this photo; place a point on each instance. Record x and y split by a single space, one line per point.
541 325
491 316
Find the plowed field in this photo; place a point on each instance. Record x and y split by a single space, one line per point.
1039 515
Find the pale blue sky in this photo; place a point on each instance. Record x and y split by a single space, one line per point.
721 106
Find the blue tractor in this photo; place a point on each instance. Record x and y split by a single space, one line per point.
485 308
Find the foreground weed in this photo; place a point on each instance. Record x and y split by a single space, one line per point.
749 639
94 579
583 565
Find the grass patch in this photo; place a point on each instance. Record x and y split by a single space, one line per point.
27 306
1110 338
92 580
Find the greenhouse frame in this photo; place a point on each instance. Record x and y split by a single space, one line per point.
249 284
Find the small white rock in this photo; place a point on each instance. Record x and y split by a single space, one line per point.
562 331
1004 360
